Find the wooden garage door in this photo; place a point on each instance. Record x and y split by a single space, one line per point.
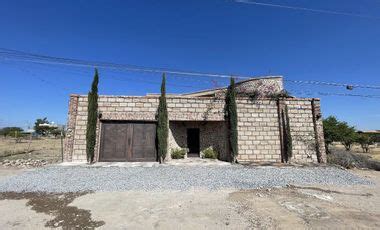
127 141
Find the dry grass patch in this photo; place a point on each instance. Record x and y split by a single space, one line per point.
48 149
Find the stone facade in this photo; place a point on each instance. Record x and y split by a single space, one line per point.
71 125
261 87
302 130
259 136
258 131
212 134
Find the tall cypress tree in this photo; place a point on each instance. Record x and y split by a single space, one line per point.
162 123
92 116
231 113
288 136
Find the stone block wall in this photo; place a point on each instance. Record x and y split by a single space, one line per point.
258 123
258 131
318 131
302 130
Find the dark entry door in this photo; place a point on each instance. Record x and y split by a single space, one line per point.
193 142
127 141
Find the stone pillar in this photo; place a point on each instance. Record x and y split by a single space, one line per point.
70 131
318 131
97 142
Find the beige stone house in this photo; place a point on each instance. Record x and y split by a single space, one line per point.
126 129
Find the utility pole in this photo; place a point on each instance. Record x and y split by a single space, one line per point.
16 136
62 144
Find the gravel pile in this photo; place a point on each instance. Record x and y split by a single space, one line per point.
23 163
74 179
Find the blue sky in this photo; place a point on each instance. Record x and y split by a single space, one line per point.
206 36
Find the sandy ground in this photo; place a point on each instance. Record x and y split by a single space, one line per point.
312 207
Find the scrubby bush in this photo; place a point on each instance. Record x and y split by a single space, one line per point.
209 153
279 95
365 141
343 159
178 153
352 160
11 131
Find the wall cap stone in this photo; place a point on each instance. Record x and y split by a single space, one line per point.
192 97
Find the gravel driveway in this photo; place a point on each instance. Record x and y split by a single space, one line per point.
73 178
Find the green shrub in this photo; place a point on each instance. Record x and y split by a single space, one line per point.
178 153
209 153
338 131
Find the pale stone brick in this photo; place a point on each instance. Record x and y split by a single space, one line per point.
258 124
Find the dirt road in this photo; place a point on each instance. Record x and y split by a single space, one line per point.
311 207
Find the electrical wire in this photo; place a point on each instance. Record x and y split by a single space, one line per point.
306 9
34 58
23 56
333 84
29 57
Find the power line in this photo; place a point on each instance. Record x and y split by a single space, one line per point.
306 9
62 89
348 95
75 71
333 84
35 58
318 93
158 83
114 77
303 92
125 78
19 55
181 77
